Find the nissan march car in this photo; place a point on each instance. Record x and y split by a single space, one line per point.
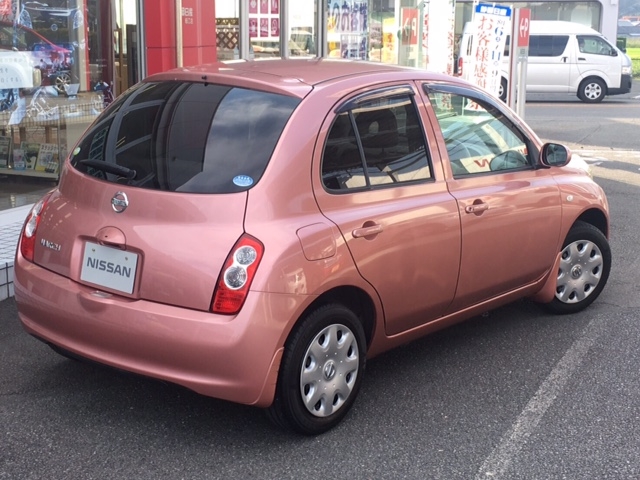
255 231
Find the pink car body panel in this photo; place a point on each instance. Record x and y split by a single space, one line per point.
431 260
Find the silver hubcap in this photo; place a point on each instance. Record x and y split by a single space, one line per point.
329 370
580 271
592 91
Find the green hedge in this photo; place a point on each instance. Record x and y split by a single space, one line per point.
633 50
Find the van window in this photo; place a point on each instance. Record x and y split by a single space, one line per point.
594 45
547 45
542 45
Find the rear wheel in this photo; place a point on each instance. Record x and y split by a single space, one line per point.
321 371
591 90
502 91
584 269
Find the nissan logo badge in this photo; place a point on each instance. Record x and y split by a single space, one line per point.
119 202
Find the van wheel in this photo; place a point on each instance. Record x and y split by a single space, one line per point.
502 91
321 371
591 90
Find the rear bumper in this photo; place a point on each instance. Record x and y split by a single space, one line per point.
234 358
625 86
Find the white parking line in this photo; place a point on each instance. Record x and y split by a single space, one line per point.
497 463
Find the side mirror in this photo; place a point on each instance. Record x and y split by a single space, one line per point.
555 155
614 53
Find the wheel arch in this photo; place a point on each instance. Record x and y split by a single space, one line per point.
590 77
597 218
355 299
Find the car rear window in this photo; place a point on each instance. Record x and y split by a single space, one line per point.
185 137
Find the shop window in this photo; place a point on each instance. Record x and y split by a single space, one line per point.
61 63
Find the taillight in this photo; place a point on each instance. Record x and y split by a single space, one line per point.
236 276
28 238
460 62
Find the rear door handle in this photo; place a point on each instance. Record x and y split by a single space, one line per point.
476 208
367 231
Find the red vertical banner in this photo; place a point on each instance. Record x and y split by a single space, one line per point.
253 7
264 6
523 27
275 7
198 38
409 26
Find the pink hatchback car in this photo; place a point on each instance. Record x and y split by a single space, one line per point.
254 231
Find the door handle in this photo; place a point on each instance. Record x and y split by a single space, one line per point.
582 58
476 208
367 231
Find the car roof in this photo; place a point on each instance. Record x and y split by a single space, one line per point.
292 76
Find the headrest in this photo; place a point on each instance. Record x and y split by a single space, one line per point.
378 128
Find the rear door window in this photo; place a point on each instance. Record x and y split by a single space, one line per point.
376 143
185 137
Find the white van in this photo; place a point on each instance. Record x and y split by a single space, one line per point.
564 57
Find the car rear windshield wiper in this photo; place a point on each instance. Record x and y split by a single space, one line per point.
119 170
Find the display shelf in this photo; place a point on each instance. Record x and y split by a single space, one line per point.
28 173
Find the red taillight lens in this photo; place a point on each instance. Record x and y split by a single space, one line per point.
460 62
236 276
28 238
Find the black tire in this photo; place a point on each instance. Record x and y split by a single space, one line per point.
502 93
592 90
584 270
335 332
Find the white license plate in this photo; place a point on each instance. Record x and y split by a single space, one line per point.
109 267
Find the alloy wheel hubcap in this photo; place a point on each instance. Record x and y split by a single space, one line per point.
580 271
593 91
329 370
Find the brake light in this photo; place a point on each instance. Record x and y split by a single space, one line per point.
236 276
460 62
28 237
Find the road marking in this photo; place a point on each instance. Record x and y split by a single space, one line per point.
499 460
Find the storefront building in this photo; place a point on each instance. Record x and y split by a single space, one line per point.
63 61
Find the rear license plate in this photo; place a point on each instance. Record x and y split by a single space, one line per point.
109 267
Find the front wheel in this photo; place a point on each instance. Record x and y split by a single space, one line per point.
584 269
592 90
321 371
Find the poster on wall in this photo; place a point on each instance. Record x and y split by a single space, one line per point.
491 26
264 27
347 29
